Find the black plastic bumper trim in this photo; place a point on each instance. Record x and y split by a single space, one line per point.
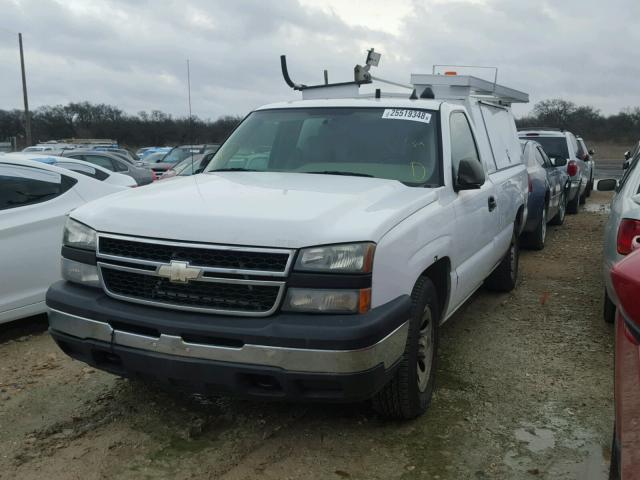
208 376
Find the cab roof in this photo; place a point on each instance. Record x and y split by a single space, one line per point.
389 102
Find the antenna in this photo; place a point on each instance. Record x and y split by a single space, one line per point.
190 124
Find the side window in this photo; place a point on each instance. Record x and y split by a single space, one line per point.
86 170
539 158
101 161
463 144
573 146
119 166
627 173
21 186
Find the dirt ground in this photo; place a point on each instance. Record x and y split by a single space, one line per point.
525 390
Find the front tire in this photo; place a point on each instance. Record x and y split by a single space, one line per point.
609 311
505 276
535 240
409 392
614 467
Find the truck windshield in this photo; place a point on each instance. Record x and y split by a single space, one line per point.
555 147
396 144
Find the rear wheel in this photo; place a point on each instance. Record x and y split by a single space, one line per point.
505 276
609 312
562 210
572 205
409 392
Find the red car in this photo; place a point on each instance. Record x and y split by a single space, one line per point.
625 457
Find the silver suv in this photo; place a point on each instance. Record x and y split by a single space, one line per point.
560 146
622 227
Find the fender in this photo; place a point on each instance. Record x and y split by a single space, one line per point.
406 251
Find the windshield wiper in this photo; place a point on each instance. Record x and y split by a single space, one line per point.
340 172
234 169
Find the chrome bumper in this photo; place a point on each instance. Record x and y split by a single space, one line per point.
387 351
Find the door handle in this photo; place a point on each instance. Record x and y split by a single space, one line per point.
492 204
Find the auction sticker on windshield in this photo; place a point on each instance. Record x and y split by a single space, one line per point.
406 114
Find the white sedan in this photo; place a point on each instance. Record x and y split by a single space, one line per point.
35 199
80 166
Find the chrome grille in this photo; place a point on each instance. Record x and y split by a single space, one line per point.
222 279
214 256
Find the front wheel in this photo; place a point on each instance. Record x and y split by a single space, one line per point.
505 276
535 240
614 466
409 392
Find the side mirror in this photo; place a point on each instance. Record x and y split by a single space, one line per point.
470 174
558 162
627 155
626 164
607 185
592 152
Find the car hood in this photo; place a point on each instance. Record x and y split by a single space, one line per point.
267 209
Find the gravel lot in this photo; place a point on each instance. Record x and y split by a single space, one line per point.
525 390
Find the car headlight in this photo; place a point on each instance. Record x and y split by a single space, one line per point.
327 301
343 258
78 235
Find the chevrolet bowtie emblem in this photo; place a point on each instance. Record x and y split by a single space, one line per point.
179 272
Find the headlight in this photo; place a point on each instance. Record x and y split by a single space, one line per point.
328 301
344 258
78 235
80 273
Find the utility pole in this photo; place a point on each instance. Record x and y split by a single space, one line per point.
27 115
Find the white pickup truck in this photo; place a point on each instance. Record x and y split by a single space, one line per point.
315 258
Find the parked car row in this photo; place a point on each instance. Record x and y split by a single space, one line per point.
621 269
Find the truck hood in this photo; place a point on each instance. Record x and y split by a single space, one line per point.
266 209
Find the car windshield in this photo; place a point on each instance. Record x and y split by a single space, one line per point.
396 144
554 147
188 165
176 155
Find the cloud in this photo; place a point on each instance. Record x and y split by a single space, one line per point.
133 53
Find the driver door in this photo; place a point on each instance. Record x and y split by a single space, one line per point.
477 219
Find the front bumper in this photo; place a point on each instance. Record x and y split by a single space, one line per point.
322 357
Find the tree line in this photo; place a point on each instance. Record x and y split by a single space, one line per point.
586 121
87 120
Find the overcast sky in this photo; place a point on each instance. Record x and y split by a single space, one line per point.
132 54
